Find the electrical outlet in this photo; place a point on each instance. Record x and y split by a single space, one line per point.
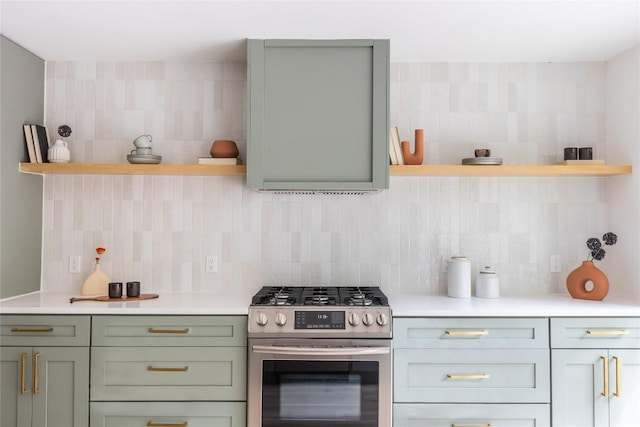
211 264
444 265
74 264
554 264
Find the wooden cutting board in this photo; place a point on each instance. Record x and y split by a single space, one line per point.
108 299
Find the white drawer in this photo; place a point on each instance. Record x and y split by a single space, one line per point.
470 332
471 376
435 415
594 332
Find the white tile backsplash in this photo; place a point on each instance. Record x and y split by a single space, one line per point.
158 229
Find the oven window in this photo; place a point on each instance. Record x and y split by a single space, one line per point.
320 393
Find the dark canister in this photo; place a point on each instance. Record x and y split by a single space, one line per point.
115 290
586 153
133 289
571 153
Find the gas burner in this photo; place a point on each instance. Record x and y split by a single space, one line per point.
360 299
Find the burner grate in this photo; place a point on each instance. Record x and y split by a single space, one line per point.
320 296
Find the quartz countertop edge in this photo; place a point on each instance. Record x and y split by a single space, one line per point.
552 305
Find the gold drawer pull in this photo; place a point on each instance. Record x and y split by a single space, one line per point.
23 362
468 376
168 331
618 332
154 369
152 424
471 425
31 329
474 333
36 356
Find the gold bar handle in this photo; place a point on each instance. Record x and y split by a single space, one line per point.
617 392
168 331
474 333
605 374
468 376
471 425
615 332
154 369
31 329
23 362
36 356
152 424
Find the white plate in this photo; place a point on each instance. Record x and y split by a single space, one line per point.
141 159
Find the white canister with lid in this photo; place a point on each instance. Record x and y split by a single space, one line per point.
459 277
487 283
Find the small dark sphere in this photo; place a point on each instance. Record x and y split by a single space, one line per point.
64 131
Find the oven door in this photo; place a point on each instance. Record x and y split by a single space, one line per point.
319 382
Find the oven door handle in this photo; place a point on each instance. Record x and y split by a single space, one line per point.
319 351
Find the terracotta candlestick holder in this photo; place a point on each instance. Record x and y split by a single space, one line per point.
417 156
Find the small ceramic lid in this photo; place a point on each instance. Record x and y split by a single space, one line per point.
487 270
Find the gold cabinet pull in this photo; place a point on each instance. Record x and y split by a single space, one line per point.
468 376
474 333
152 424
168 331
155 369
17 330
36 356
613 332
472 425
617 392
605 374
23 362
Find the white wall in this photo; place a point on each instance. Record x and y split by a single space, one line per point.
158 229
623 136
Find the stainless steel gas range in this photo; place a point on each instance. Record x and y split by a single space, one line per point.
319 356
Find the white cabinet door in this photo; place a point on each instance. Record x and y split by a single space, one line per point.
595 388
577 387
624 385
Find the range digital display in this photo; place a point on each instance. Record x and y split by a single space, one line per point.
319 320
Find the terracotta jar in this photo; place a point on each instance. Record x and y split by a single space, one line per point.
588 272
224 148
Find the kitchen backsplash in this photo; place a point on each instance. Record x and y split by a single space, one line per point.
158 229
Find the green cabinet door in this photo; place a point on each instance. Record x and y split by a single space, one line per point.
15 386
624 380
61 394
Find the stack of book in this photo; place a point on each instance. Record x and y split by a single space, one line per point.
395 151
37 140
219 161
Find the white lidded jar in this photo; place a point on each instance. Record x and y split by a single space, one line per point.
487 283
459 277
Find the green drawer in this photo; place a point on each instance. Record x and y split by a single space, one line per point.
594 332
176 414
470 332
471 376
168 373
434 415
45 330
161 331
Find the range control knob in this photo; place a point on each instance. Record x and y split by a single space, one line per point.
281 319
368 319
382 319
354 319
262 319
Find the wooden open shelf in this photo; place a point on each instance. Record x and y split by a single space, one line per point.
510 170
129 169
419 170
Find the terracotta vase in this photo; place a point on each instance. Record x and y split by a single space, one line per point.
224 148
588 272
416 157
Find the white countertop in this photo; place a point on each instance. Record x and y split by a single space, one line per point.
402 305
